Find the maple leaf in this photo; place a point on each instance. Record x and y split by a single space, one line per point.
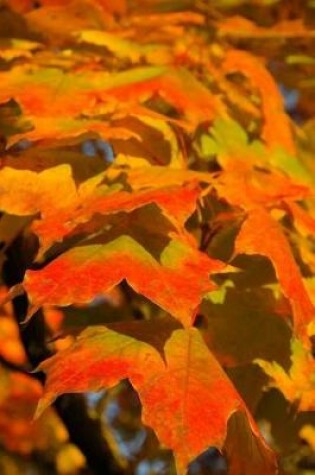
24 192
276 130
56 20
172 85
241 27
177 204
55 95
261 234
230 142
101 358
176 282
150 80
243 185
298 384
249 177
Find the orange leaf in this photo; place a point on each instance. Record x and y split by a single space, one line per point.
276 130
298 384
176 282
304 221
242 185
176 203
260 234
240 27
157 177
200 105
101 358
26 193
48 95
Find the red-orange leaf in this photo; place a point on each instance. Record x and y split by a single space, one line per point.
101 357
276 130
24 192
177 282
200 105
240 27
177 204
261 234
48 95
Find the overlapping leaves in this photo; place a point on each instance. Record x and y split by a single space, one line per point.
101 357
164 90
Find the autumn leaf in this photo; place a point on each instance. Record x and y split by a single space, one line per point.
140 141
176 282
24 192
244 185
11 347
101 357
276 130
119 7
227 138
56 20
177 204
298 384
197 107
52 87
174 18
249 176
158 176
20 394
240 27
49 94
304 221
231 143
261 234
53 95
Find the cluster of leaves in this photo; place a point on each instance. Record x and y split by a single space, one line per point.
148 147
